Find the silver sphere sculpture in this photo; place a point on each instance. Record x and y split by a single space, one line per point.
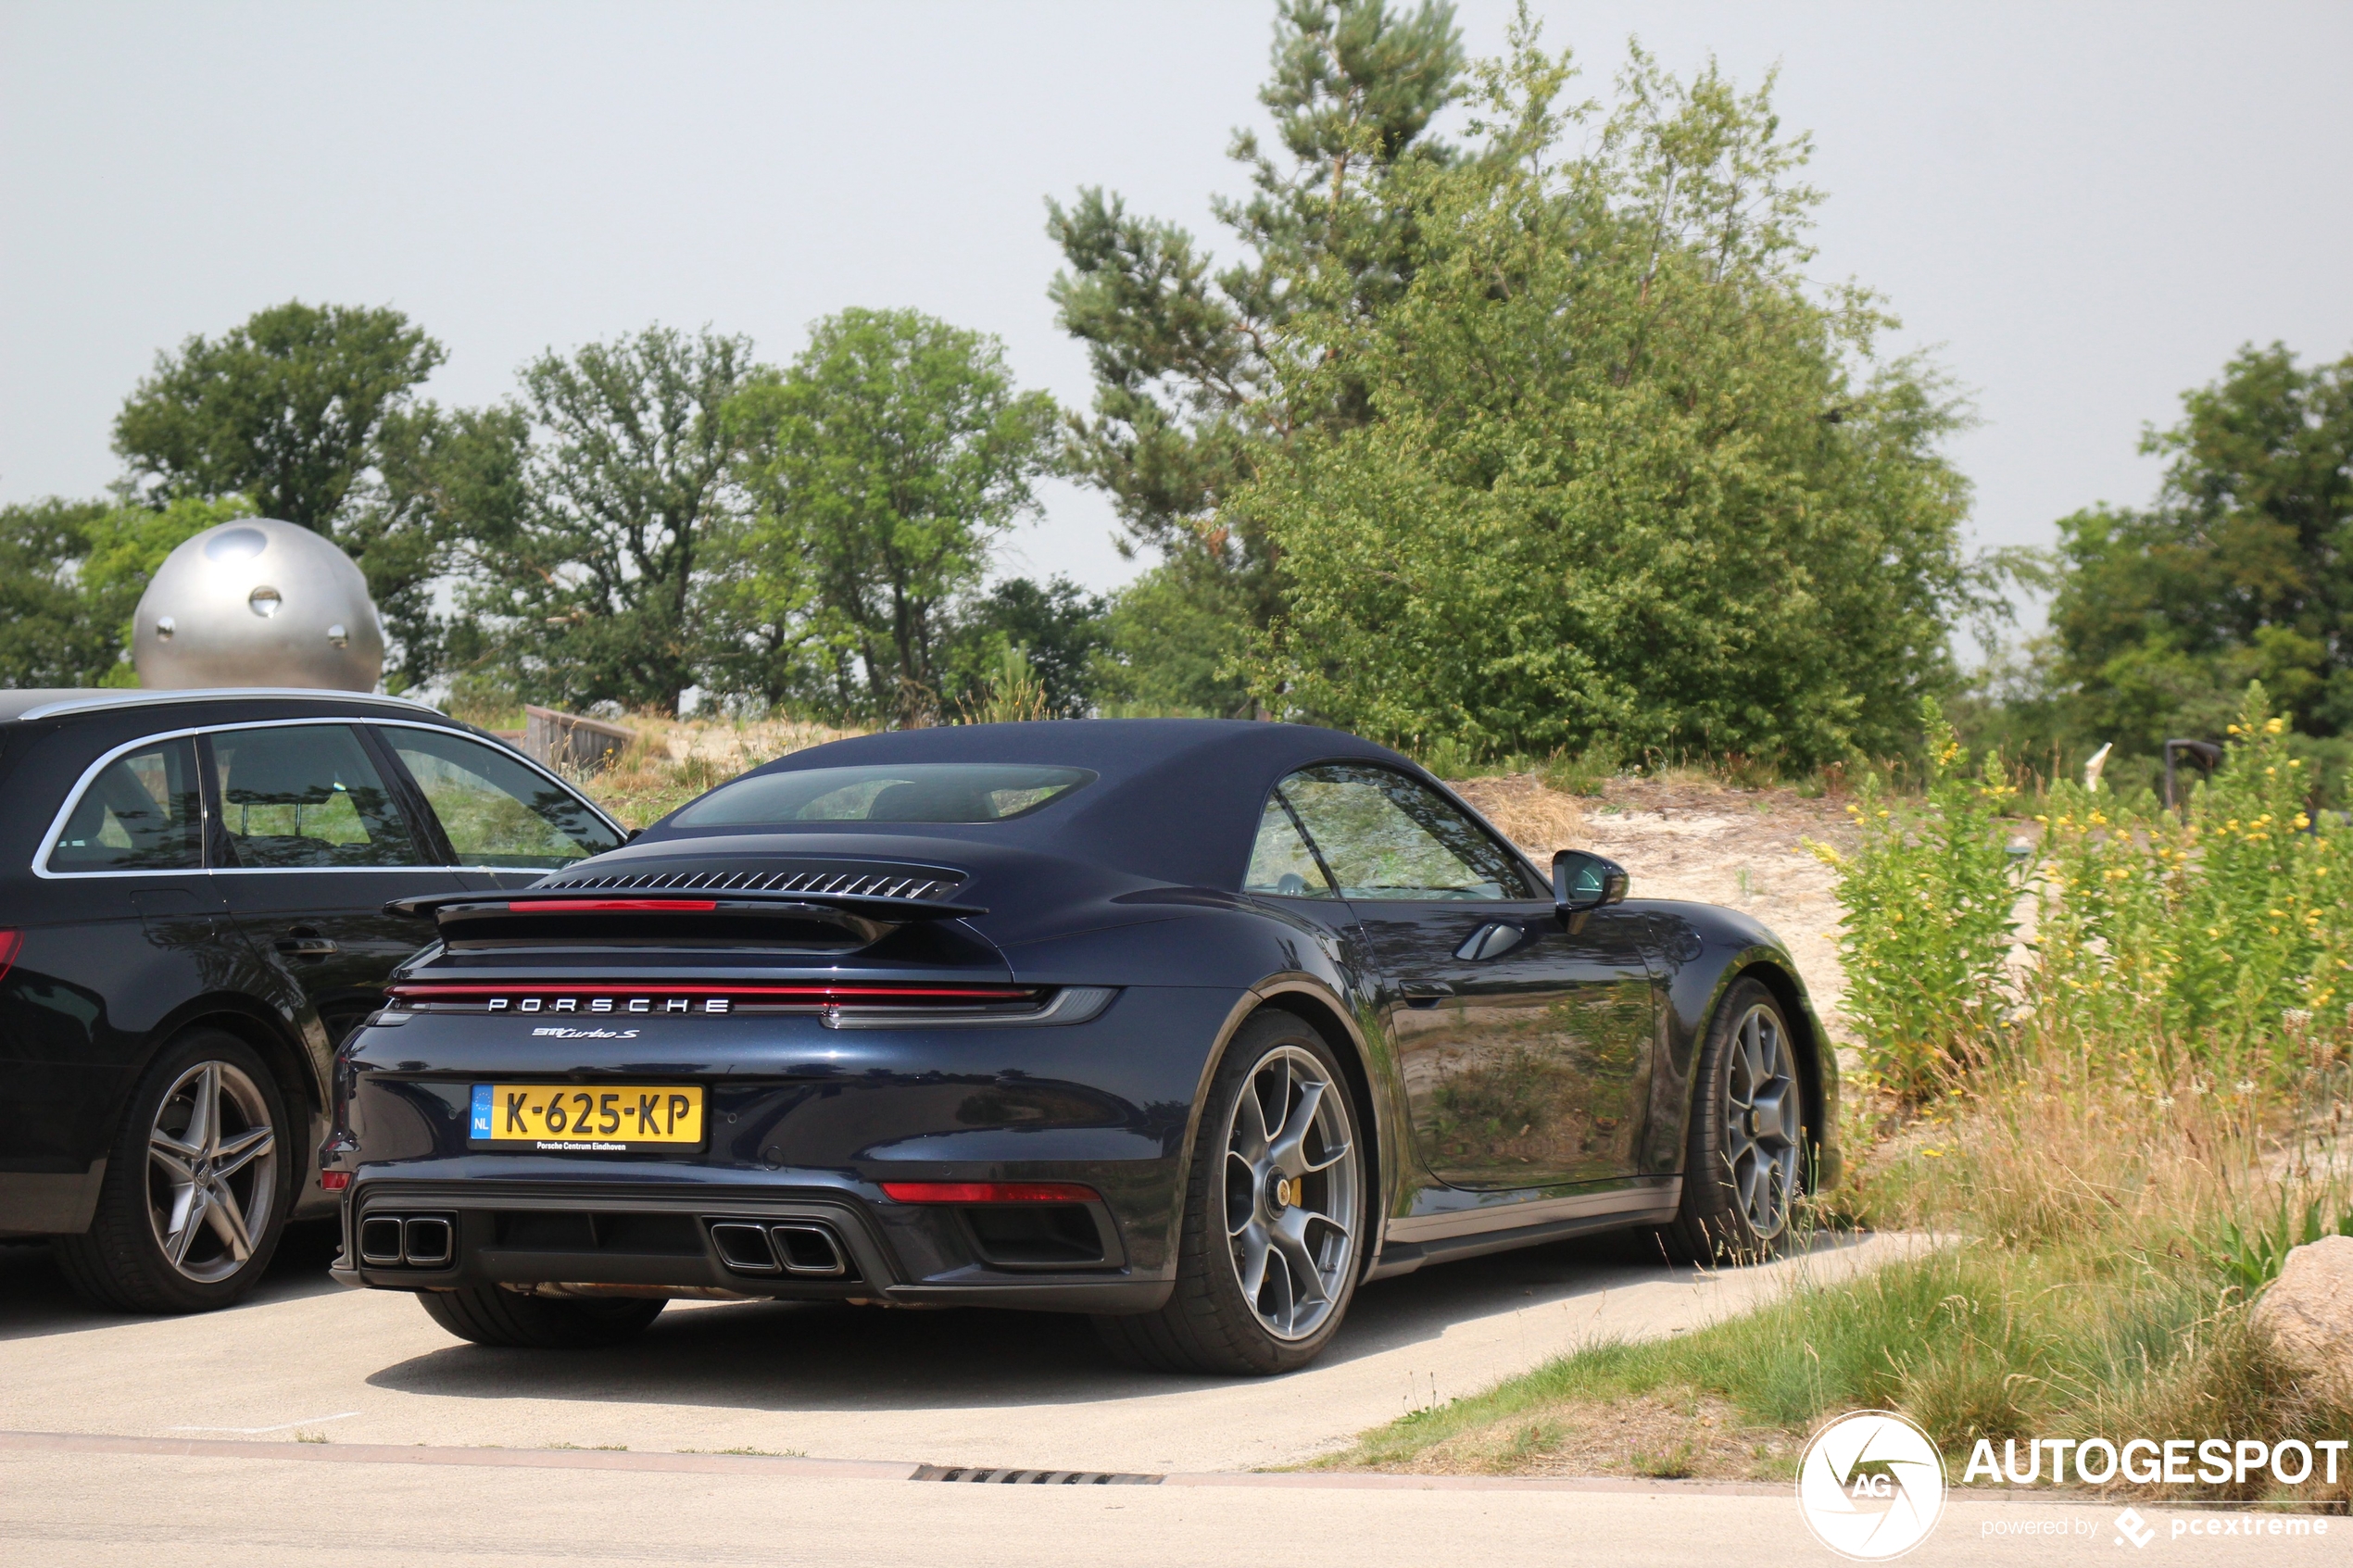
257 602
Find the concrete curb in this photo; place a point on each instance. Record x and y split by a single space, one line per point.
790 1465
814 1469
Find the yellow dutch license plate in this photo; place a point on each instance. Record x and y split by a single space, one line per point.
575 1119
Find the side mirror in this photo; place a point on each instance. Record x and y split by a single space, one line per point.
1582 881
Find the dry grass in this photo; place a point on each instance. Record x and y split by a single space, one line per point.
2088 1286
1670 1435
673 760
1539 820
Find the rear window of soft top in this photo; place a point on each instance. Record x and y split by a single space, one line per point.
919 792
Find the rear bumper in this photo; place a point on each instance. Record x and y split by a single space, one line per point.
38 1203
638 1236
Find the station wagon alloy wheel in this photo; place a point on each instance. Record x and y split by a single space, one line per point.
212 1171
1290 1192
1761 1118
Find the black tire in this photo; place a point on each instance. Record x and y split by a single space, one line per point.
1744 1171
488 1314
121 1262
1209 1325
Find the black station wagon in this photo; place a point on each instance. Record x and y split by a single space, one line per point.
192 891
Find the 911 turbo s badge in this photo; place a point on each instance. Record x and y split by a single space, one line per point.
560 1033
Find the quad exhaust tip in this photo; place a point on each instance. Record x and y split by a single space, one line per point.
414 1241
805 1250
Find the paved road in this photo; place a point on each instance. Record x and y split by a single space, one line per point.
439 1453
76 1509
949 1388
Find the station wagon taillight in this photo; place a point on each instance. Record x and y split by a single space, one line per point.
11 942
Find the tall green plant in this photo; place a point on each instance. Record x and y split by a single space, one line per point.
2212 949
2216 944
1930 897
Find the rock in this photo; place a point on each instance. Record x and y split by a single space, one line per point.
2307 1313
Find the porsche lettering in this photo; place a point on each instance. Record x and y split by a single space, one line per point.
609 1004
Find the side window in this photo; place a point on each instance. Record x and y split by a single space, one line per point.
306 795
496 811
1387 837
142 813
1280 861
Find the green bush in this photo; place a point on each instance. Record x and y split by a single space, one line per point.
1928 897
2212 947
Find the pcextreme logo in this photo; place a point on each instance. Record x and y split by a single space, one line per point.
1871 1485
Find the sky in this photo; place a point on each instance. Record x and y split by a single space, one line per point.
2080 210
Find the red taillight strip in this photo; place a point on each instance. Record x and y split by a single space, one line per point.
610 906
805 993
988 1192
11 944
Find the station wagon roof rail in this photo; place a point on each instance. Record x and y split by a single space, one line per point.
39 703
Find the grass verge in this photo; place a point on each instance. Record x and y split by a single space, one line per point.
2084 1288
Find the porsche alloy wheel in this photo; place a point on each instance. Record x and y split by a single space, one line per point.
1745 1169
1290 1192
1274 1217
1761 1122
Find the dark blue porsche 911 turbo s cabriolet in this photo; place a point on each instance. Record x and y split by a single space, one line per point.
1192 1027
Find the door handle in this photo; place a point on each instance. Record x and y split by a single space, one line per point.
304 943
1489 941
1425 993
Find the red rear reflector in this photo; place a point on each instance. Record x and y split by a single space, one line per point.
988 1192
611 906
11 943
335 1180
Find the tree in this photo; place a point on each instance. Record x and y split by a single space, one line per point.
47 636
2241 569
884 462
70 575
1059 628
1622 479
292 409
591 511
1193 380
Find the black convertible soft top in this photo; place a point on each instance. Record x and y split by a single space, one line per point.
1177 799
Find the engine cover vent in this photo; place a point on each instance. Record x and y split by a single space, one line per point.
891 884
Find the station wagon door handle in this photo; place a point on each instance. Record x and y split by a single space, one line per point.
304 943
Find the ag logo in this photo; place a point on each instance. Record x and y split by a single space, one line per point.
1871 1485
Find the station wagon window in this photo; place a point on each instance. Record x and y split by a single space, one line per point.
142 813
495 811
308 796
914 792
1386 836
1280 861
